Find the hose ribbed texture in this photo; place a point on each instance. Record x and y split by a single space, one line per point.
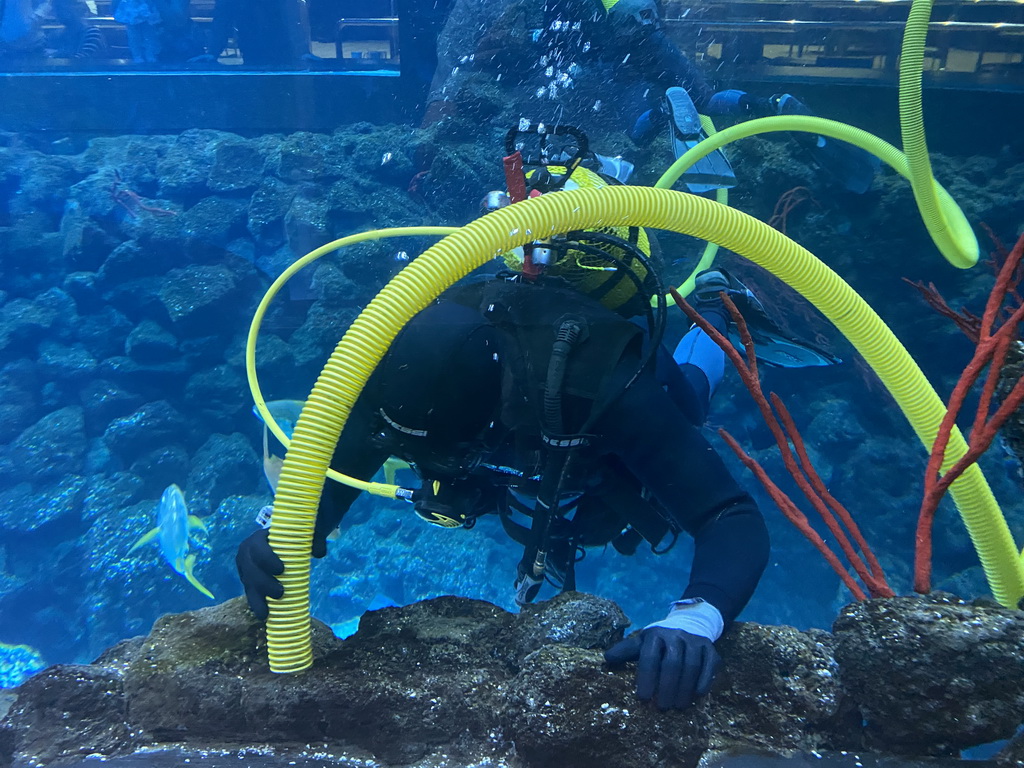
922 181
955 238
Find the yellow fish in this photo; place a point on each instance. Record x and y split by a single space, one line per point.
173 523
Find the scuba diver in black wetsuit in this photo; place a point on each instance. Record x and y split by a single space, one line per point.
530 394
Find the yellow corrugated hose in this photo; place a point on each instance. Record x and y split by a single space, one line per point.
711 249
378 489
954 237
356 355
948 233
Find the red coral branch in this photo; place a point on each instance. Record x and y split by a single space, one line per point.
992 346
131 201
965 320
786 203
831 511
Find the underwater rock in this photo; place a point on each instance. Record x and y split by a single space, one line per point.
225 465
468 679
217 396
65 364
201 298
152 381
565 708
86 243
26 511
1012 433
23 324
306 156
52 447
81 286
130 261
104 332
152 426
237 165
46 180
209 225
103 401
932 675
108 494
161 467
19 394
783 685
70 710
184 169
267 209
307 223
1013 753
149 343
137 299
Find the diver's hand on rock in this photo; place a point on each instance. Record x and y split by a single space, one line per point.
676 657
674 667
257 566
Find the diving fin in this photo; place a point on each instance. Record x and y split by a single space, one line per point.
851 167
685 131
391 467
773 346
779 351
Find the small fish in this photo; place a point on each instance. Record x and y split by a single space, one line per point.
286 414
173 523
386 158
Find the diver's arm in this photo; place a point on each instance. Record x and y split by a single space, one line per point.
355 455
257 563
689 479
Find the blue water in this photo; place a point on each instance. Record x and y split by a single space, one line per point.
130 267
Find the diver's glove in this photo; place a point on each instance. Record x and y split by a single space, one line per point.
676 656
258 566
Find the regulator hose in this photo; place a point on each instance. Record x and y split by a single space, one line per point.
364 344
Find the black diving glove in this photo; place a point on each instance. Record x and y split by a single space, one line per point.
675 666
258 565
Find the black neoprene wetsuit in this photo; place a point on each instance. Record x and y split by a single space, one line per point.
642 439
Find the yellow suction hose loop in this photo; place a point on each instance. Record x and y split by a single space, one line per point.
954 238
353 360
922 181
378 489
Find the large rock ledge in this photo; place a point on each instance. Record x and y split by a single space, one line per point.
465 681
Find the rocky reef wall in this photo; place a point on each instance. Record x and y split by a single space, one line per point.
461 682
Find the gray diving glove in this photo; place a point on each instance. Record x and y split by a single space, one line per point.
676 657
